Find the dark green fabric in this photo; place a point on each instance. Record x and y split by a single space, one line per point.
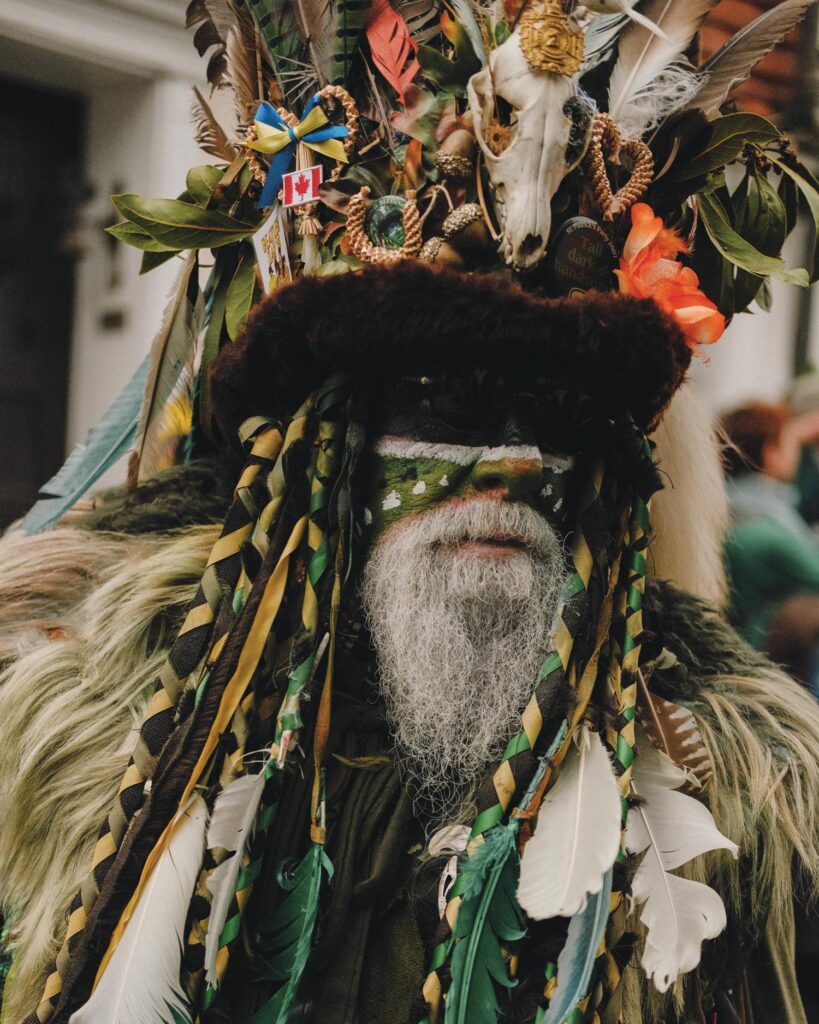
766 565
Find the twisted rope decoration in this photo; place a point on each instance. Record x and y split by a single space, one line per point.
363 249
606 145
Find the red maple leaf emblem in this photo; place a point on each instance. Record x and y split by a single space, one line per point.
302 184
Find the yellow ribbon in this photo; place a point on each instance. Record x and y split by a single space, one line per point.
272 140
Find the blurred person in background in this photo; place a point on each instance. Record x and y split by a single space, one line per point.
803 405
771 552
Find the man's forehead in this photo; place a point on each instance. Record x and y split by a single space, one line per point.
396 447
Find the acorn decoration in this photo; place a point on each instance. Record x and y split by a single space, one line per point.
456 155
440 253
466 231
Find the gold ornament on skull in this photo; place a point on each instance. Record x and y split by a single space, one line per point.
548 39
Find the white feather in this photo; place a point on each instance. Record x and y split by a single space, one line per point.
577 835
672 829
734 61
626 7
140 985
230 829
651 77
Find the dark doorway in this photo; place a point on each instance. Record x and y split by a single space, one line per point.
41 175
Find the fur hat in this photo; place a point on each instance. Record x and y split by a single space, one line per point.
409 319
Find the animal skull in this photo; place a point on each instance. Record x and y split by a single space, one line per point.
526 175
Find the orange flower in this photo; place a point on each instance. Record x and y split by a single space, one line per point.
649 270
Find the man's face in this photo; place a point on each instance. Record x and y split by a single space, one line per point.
445 448
465 572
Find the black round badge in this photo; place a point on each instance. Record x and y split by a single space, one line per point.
581 257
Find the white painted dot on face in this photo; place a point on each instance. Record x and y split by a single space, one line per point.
419 488
393 500
368 517
558 503
444 481
547 491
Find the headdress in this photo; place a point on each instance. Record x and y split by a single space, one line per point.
381 150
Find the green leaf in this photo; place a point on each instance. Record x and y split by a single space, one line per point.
241 290
132 234
179 225
451 75
727 138
201 181
807 186
734 248
761 220
285 939
152 260
488 916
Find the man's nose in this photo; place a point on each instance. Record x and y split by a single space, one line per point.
512 473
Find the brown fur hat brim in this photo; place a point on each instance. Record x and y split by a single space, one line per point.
411 320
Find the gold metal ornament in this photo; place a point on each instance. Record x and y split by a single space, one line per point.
549 40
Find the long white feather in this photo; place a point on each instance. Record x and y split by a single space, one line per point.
230 829
577 835
141 982
651 77
672 829
734 62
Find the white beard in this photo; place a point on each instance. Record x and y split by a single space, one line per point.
460 638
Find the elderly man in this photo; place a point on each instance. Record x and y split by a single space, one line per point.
436 736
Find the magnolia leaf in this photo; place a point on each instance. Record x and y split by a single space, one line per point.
201 181
733 247
241 291
727 138
807 186
451 75
132 234
760 218
152 260
180 225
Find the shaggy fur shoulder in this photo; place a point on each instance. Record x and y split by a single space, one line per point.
762 731
410 320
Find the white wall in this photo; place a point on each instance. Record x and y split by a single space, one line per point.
134 63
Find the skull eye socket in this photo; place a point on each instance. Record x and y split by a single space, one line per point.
501 130
579 112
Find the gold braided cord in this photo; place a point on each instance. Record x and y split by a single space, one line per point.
363 249
605 145
266 443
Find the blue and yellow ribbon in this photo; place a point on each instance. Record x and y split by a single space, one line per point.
276 138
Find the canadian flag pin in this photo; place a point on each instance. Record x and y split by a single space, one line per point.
302 186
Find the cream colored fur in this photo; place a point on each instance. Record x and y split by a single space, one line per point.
689 516
69 711
44 578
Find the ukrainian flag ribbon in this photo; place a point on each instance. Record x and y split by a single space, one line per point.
277 139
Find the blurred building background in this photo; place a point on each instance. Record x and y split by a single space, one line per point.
95 99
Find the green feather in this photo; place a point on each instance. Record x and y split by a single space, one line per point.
350 20
284 941
488 916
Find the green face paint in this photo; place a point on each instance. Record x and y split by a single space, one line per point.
408 478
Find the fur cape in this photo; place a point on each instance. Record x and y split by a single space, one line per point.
69 710
410 319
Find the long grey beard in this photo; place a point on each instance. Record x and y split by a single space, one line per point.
459 639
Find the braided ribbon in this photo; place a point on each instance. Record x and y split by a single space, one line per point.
276 138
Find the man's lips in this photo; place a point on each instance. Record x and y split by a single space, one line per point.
498 543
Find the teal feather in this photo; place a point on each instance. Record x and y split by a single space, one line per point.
465 15
488 916
285 941
576 961
107 442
